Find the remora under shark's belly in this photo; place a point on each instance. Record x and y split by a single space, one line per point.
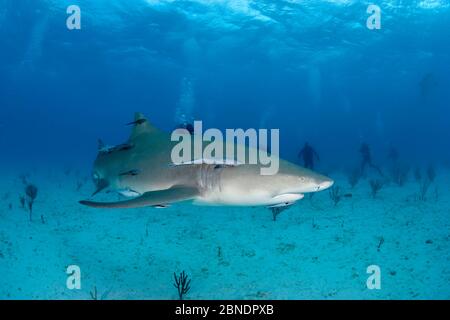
238 198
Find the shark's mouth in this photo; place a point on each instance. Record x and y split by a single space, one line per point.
130 193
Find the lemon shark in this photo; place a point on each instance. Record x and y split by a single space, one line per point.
142 169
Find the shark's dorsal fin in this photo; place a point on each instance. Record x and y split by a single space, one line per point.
141 126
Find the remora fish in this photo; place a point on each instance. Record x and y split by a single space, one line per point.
158 182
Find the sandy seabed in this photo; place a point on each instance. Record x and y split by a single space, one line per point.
315 250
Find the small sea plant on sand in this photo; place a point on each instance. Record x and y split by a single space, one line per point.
277 210
353 177
431 173
380 243
31 194
22 201
375 185
182 283
425 183
335 195
400 174
93 293
424 186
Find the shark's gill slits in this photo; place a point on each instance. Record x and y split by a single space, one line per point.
209 177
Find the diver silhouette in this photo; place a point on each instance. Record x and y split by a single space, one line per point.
367 159
308 154
188 126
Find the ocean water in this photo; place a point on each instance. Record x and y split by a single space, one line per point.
320 71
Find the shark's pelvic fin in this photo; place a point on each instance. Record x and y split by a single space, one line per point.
151 198
141 126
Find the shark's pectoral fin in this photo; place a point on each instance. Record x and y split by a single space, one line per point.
151 198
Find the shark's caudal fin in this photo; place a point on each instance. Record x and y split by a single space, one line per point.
151 198
141 126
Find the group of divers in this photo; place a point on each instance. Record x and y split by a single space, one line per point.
308 155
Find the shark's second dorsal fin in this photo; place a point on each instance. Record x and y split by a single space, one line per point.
141 126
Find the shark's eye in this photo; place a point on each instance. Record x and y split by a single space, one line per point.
95 176
302 179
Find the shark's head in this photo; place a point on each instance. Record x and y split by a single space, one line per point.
301 180
245 185
313 182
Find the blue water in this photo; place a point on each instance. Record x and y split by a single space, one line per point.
310 68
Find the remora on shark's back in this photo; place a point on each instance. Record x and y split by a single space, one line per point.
144 171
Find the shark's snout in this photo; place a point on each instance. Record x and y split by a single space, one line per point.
327 183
